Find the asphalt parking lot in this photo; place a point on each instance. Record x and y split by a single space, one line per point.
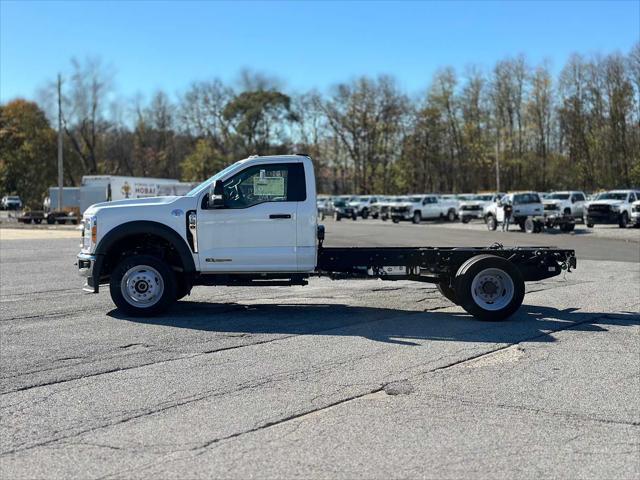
344 379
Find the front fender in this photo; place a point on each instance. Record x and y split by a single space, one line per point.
139 227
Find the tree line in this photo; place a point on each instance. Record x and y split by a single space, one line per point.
580 129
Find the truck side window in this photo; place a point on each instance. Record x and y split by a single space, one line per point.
265 183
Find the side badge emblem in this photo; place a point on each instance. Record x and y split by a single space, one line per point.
177 212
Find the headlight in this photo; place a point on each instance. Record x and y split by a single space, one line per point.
615 208
90 237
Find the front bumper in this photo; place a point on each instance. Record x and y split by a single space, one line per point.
603 217
635 218
89 267
475 213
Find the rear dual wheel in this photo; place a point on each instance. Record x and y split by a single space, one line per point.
489 287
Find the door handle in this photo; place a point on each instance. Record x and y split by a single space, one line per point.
280 215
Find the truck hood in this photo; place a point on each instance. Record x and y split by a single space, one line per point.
606 202
554 202
130 202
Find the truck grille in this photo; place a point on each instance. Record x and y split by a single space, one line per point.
400 209
470 207
551 207
599 209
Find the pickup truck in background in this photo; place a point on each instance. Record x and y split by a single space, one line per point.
475 206
526 205
416 208
567 203
255 224
612 207
362 205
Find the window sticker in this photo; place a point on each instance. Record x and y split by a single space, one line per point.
268 186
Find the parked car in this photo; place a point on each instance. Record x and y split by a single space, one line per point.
566 203
423 207
11 202
635 213
525 205
341 209
362 205
475 206
385 206
324 206
612 207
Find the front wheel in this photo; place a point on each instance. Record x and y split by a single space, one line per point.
396 220
466 219
417 217
492 224
451 215
489 287
365 214
142 286
624 220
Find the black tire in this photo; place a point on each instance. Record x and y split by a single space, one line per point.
183 287
451 215
624 220
567 227
464 283
492 224
38 221
365 213
521 224
529 225
51 220
375 216
417 217
590 225
385 218
168 293
448 291
354 216
466 219
336 216
396 220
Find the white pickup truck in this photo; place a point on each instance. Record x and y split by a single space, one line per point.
567 203
423 207
614 207
255 223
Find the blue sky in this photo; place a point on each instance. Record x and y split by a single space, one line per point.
167 45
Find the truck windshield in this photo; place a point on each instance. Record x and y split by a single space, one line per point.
415 199
484 198
211 180
558 196
612 196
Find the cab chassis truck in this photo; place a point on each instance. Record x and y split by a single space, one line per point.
255 224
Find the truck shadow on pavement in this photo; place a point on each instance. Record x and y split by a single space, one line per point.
402 327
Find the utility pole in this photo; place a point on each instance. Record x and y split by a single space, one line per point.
497 161
60 176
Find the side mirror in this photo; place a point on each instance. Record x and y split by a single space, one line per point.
216 195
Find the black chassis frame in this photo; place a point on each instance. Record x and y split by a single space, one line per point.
437 264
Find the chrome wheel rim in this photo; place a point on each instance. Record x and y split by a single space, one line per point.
142 286
492 289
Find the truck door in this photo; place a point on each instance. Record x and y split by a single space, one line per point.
256 229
